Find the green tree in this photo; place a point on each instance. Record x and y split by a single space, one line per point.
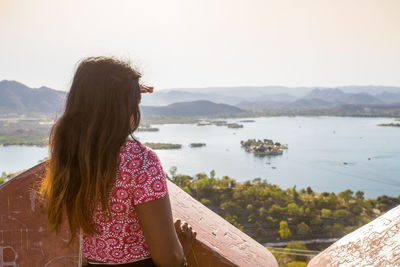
5 177
303 229
370 204
332 201
230 207
386 203
297 264
284 230
296 246
203 186
337 229
233 219
316 224
307 211
360 195
325 194
357 207
326 213
276 210
212 174
182 180
293 209
205 202
346 195
262 212
295 195
309 190
341 214
249 207
250 218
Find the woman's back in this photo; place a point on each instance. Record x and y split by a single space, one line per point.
140 178
110 188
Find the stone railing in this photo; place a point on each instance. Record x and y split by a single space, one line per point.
25 240
374 244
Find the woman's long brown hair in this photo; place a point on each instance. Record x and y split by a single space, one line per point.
85 142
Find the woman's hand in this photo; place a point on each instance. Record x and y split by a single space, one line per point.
146 89
185 234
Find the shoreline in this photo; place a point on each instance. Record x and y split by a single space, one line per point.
33 141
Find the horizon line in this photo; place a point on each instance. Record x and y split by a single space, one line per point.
233 86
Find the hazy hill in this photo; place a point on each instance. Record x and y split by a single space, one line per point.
166 97
194 108
311 103
336 96
250 91
318 99
389 97
16 97
245 94
259 105
278 98
256 91
369 89
390 110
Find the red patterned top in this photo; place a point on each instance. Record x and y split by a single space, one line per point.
140 178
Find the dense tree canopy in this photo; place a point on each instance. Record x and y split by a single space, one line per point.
267 212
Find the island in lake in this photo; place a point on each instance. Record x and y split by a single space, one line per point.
235 125
203 123
148 128
209 122
265 147
197 144
219 123
390 124
163 145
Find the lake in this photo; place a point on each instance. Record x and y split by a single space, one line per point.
318 148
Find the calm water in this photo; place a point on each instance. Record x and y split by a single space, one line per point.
318 146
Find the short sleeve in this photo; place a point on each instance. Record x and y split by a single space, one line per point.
150 182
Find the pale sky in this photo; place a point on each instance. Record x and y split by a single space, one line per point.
188 43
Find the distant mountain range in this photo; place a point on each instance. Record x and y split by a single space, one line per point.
336 96
193 108
280 94
17 98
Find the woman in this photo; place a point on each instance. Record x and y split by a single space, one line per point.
104 184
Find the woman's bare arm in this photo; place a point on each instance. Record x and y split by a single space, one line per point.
157 224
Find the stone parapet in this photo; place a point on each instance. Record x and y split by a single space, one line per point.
26 241
375 244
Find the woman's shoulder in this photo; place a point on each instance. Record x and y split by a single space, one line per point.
135 149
